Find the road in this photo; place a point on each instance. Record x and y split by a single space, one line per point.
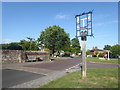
58 64
14 77
26 73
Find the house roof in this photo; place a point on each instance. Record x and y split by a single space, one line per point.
96 50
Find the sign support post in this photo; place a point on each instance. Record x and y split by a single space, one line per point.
83 56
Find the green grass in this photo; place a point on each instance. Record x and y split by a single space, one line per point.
96 78
96 59
60 57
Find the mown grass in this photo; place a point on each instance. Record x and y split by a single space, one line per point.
96 59
96 78
60 57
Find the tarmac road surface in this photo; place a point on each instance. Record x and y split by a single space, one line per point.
62 64
24 73
14 77
58 64
27 72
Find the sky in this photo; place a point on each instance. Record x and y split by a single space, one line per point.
28 19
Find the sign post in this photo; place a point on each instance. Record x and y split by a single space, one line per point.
83 57
84 29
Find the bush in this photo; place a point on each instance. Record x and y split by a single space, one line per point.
101 55
46 49
67 54
93 55
14 47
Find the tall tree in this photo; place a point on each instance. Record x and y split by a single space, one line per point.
29 44
4 46
115 50
14 47
75 46
54 38
107 47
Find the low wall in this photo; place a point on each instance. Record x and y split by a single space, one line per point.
33 55
20 56
11 56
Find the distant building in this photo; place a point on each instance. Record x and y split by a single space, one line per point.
95 49
105 52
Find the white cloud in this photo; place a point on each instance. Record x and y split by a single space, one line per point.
105 23
61 16
2 41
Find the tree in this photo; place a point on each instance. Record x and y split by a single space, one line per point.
4 46
29 44
75 45
115 50
54 38
14 47
107 47
88 52
33 45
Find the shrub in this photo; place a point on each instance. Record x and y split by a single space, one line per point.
93 55
46 49
101 55
67 54
14 47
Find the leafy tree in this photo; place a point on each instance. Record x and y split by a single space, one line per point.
4 46
115 50
107 47
29 44
32 44
75 45
17 43
88 52
55 39
25 44
14 47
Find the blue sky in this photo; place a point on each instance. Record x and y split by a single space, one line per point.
28 19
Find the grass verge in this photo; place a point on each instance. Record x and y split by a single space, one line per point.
96 59
96 78
60 57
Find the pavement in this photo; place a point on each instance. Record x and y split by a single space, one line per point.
35 74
